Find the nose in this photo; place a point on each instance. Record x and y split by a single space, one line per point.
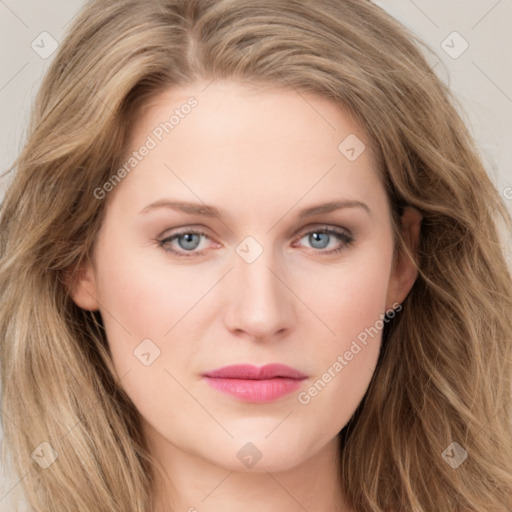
260 305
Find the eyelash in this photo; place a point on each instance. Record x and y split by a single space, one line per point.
346 239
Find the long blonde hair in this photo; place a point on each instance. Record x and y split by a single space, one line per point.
444 372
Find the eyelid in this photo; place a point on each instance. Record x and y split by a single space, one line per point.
324 227
196 228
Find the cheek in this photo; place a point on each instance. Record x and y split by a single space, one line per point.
351 301
140 305
142 302
351 296
148 300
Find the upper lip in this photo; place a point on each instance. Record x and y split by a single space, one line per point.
247 371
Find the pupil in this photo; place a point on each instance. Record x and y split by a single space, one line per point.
190 240
317 237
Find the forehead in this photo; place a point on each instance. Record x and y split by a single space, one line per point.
207 140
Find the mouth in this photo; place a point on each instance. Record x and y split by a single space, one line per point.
252 384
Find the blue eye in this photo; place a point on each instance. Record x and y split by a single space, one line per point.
188 241
191 241
320 239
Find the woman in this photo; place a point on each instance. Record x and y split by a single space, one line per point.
251 258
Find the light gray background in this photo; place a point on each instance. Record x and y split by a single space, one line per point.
481 76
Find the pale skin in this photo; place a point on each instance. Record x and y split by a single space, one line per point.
261 157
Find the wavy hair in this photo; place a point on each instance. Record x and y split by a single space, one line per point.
445 368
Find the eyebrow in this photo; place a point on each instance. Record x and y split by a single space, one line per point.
216 213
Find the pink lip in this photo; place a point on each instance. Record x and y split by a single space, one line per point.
254 384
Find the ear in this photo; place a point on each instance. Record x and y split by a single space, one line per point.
404 272
82 287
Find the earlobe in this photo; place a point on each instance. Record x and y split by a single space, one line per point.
405 270
81 283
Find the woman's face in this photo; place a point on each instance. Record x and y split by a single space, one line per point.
253 229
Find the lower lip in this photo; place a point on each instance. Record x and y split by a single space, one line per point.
252 390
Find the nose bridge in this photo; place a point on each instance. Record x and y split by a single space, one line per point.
260 303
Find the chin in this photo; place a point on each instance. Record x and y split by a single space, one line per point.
260 455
